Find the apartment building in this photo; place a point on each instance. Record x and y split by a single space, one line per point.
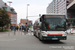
57 7
52 7
61 7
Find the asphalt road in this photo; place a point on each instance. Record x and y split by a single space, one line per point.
30 42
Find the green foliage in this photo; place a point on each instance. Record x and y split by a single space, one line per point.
4 18
3 30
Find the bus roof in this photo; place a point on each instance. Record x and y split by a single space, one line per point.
53 14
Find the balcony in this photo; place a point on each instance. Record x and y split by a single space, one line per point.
71 9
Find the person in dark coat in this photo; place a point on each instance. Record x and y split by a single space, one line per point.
17 28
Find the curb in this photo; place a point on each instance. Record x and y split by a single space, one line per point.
70 34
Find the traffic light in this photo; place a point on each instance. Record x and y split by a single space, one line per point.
71 24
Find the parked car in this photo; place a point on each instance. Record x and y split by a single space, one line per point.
70 31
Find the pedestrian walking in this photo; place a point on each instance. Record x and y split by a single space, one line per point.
17 28
14 28
26 30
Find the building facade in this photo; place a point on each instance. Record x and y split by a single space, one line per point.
24 21
61 7
57 7
11 12
13 17
52 7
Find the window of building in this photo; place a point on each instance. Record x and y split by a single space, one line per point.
12 10
59 0
5 8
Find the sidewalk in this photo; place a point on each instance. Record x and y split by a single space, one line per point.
70 34
3 34
11 33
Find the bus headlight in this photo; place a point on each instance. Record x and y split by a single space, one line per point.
44 34
64 34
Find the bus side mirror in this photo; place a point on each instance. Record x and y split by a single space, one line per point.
42 18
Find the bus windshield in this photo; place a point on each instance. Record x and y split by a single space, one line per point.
54 24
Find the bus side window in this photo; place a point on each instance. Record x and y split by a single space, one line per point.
37 26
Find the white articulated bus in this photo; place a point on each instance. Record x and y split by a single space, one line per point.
50 27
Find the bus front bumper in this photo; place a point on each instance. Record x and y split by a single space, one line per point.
54 37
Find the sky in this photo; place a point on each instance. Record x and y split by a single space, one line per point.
35 8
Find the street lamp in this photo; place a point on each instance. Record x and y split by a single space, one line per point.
9 3
27 12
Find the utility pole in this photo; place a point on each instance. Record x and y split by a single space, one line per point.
27 13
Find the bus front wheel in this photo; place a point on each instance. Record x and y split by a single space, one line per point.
34 33
39 36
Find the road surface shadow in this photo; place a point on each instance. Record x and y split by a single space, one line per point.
52 42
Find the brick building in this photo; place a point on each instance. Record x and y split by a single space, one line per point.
11 12
23 21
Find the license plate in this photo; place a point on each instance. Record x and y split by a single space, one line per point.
54 38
